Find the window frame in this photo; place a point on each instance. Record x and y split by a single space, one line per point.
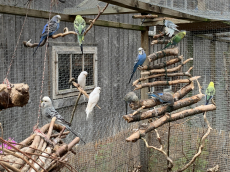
56 50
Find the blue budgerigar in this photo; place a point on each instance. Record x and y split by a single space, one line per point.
170 27
50 28
164 97
80 27
139 61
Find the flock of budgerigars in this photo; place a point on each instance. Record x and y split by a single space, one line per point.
53 25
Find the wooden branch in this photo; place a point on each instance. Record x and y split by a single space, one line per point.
16 96
99 13
80 89
159 42
156 83
65 32
200 147
161 65
51 127
164 53
159 35
149 103
144 16
163 109
64 133
10 167
214 169
75 107
167 118
164 74
160 149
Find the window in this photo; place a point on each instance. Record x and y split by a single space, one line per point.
68 62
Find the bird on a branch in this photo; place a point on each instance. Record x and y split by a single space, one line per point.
131 97
176 39
93 99
49 112
80 27
49 29
164 97
209 93
81 80
139 61
170 27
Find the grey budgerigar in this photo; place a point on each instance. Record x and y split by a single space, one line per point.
131 97
170 27
49 112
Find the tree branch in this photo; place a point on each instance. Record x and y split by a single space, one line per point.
162 34
159 42
164 53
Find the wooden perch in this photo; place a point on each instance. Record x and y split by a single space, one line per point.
144 16
164 53
162 34
80 89
168 70
98 15
168 118
157 83
159 42
156 112
214 169
164 74
149 103
16 96
162 65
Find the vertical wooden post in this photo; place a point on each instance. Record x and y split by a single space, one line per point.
145 46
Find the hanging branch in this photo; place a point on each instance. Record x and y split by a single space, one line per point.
162 34
164 74
148 103
161 83
169 118
170 166
159 42
65 31
75 107
144 16
214 169
80 89
156 112
166 70
164 53
161 65
16 96
93 21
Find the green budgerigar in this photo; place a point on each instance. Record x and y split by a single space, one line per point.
209 93
80 26
176 39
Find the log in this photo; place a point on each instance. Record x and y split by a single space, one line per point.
159 42
16 96
161 65
168 70
149 103
162 34
163 109
167 118
164 53
156 83
144 16
164 74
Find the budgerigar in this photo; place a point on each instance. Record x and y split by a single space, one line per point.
139 61
49 112
176 39
80 26
170 27
209 93
93 99
165 97
131 97
81 80
54 25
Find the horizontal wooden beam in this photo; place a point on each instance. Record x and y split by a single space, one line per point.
144 16
67 18
148 8
94 11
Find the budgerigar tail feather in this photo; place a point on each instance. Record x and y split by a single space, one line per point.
68 128
207 100
88 110
131 77
81 46
37 47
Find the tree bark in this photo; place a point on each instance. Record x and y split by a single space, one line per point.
159 42
163 53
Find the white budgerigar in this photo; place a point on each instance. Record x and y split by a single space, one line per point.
93 99
81 80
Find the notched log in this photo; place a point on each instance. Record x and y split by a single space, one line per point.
159 42
16 96
163 53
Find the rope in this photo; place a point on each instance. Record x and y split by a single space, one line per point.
13 56
44 67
